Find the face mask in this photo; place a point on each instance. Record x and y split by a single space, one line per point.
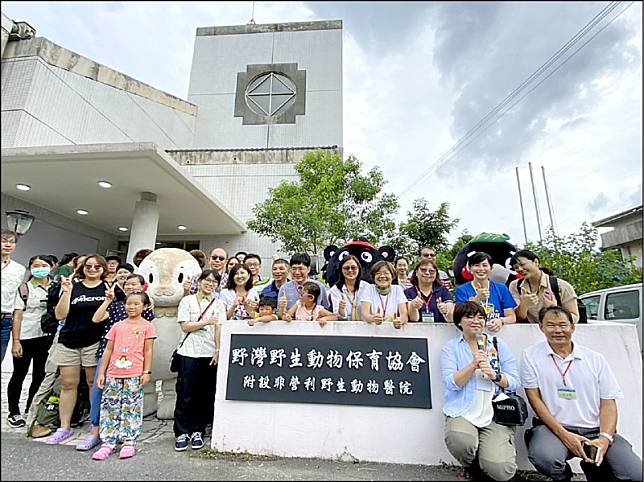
40 272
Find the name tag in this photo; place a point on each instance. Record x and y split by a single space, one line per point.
428 317
566 393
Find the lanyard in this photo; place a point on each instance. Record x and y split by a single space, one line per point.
563 375
384 305
352 300
429 300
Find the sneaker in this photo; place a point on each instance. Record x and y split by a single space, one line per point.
181 443
16 421
196 441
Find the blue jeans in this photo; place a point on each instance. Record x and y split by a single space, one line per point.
95 398
4 335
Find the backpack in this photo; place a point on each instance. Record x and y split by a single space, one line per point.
47 413
554 284
48 321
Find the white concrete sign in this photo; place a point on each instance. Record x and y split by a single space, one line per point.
393 434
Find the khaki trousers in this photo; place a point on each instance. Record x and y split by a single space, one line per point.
494 446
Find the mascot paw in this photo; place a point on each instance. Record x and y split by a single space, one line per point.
149 402
166 408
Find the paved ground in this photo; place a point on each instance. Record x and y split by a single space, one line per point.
31 459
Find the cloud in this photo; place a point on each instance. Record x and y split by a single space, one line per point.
599 201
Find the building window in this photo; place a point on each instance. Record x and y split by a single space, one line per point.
270 93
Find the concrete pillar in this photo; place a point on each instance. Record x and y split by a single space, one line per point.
143 232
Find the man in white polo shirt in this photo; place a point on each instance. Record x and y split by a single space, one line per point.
12 275
572 391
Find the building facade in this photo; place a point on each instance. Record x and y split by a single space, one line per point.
260 97
625 235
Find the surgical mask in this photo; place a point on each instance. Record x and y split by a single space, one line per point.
40 272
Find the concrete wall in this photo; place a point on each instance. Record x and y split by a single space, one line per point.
398 435
220 53
83 102
52 233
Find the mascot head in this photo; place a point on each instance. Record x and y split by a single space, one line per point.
366 253
497 246
164 271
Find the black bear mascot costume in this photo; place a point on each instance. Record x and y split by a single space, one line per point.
362 249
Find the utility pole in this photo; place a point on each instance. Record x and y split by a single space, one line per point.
550 210
525 232
536 205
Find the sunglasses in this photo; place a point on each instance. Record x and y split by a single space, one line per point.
349 268
218 258
93 266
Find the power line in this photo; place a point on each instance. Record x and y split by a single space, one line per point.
480 127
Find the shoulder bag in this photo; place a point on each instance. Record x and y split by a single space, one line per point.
513 410
174 358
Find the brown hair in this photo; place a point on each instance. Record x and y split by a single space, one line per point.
390 267
99 259
413 279
140 255
200 256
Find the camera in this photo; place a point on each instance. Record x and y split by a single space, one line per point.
591 451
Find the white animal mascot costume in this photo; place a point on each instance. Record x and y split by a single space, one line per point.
165 271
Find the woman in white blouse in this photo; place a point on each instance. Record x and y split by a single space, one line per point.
384 301
200 316
346 293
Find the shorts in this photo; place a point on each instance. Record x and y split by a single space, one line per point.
84 356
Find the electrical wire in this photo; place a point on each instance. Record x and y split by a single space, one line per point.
490 119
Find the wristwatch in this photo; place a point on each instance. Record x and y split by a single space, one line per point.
497 378
606 436
147 372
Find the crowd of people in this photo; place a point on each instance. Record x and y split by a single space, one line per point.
104 332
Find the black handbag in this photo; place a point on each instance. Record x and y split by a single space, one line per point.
513 411
174 358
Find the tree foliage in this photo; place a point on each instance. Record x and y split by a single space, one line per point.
425 227
576 259
333 202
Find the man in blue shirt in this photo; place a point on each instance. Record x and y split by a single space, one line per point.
280 277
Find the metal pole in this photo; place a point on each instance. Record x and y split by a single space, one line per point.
525 232
536 205
550 210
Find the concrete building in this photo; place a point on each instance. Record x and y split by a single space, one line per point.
183 173
626 233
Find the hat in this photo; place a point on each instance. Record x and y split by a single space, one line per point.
126 266
113 256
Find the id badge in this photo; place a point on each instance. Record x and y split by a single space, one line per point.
482 382
566 393
428 317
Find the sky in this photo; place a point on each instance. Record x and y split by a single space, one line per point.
417 78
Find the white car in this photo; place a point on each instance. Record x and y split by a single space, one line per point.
621 304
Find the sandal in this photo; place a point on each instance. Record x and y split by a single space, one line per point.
88 442
103 453
59 436
127 451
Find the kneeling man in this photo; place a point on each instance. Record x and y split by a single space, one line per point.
572 391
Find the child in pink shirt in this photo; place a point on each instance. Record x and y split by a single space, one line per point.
127 360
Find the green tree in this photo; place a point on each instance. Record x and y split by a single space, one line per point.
576 259
333 202
425 227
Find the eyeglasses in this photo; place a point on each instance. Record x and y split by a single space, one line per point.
93 266
349 268
218 258
427 271
252 265
210 281
299 268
